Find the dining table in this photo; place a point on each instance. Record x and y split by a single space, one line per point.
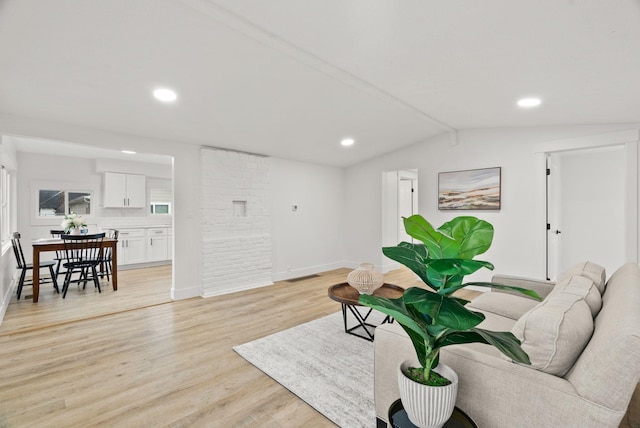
49 245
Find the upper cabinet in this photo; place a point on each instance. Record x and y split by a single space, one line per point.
124 190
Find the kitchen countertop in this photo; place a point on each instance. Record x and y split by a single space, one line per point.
146 226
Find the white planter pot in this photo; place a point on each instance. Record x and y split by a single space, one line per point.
428 406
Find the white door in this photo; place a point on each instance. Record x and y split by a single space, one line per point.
407 207
586 208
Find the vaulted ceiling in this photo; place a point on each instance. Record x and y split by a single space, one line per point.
291 78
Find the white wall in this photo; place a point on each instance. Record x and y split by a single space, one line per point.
236 222
310 239
7 258
518 246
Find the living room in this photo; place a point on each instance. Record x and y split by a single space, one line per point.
337 191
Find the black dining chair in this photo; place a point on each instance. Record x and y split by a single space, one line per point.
24 266
59 258
83 254
108 254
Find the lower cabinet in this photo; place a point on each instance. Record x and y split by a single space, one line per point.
144 245
157 244
131 246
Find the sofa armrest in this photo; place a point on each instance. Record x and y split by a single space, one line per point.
542 287
516 395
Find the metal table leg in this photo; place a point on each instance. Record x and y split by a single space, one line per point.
362 322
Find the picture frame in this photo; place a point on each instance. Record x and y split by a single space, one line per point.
471 189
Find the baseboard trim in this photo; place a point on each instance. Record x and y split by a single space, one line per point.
144 265
212 293
296 273
6 299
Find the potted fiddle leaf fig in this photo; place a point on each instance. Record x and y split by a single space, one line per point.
434 319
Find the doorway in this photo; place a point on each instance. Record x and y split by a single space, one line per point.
80 164
586 208
399 199
407 200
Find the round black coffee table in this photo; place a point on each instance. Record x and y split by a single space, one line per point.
398 418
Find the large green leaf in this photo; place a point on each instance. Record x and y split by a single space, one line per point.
396 308
442 310
524 291
411 256
418 228
504 341
463 237
457 266
473 235
419 344
420 249
447 273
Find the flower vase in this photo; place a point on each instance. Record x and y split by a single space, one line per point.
365 279
75 231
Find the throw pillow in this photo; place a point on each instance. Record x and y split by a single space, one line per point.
591 270
555 332
582 287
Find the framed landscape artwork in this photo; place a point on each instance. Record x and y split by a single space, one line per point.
472 189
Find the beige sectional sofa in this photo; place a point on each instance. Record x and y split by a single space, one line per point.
583 340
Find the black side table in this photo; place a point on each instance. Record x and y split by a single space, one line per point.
398 418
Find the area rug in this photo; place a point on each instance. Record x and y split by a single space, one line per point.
330 370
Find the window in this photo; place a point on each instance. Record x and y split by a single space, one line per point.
56 203
160 201
5 205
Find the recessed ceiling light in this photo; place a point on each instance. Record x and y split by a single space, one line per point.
347 142
529 102
165 95
129 152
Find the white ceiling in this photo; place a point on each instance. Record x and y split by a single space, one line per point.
290 78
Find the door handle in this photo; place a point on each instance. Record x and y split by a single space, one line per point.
557 232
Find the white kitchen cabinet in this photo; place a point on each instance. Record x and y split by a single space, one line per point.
131 246
157 244
124 190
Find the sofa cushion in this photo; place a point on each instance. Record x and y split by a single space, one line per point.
555 332
583 287
591 270
506 305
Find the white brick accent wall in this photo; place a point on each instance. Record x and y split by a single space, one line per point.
236 222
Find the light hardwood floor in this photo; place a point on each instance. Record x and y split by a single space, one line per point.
137 288
170 364
160 364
